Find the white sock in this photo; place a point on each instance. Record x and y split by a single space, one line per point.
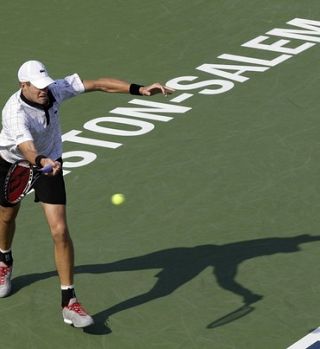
66 287
5 251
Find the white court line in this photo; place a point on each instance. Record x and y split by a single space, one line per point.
307 341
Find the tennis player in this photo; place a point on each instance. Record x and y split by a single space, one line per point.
31 131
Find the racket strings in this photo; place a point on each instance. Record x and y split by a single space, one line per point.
18 182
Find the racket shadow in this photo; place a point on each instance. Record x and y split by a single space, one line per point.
232 316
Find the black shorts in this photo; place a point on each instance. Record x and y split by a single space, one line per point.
47 189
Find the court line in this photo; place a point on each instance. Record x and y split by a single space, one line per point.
310 341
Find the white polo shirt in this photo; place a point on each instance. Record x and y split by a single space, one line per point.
24 121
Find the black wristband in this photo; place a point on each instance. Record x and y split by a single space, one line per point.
38 160
134 89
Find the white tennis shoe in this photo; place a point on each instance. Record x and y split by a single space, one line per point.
74 314
5 279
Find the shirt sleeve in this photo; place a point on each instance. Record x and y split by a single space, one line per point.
16 128
66 88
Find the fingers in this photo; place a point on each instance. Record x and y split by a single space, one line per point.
168 90
56 168
156 88
165 90
54 165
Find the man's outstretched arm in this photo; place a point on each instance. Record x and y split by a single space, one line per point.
112 85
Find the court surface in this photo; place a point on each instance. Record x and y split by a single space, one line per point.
217 244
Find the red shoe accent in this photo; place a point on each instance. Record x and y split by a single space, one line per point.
78 308
4 271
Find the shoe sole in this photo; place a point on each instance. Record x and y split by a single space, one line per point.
7 293
69 322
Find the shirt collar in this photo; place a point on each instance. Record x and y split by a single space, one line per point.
38 105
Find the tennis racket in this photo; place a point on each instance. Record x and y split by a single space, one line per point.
20 179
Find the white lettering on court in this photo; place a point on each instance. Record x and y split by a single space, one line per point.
138 121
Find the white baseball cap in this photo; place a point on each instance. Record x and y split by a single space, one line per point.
36 73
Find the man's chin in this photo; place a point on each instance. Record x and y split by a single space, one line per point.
43 100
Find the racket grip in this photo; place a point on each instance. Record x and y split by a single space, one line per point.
46 169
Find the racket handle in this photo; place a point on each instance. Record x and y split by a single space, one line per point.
46 169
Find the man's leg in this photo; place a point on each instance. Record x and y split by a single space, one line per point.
7 225
73 312
7 230
63 246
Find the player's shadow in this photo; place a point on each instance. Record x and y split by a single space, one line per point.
179 266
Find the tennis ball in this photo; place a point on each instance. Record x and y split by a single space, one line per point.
117 199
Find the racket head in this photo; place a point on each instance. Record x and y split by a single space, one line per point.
18 181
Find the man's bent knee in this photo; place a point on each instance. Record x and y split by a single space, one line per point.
8 214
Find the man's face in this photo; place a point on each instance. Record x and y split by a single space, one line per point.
34 94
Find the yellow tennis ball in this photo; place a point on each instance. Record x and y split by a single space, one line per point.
117 199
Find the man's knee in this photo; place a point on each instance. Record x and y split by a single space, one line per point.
60 233
8 214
